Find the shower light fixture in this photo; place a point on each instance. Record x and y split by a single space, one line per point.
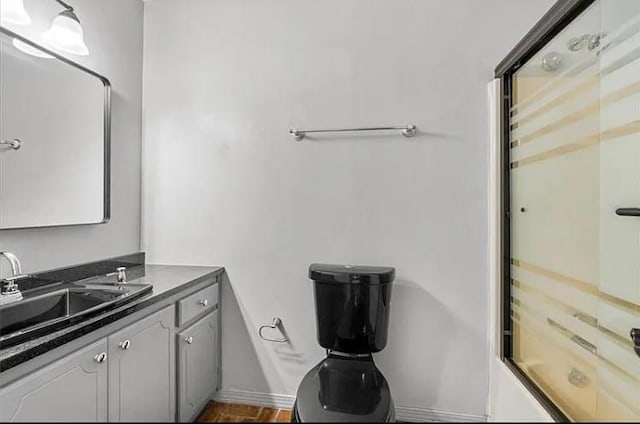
13 12
65 33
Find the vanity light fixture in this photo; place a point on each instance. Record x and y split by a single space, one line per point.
65 33
13 12
26 48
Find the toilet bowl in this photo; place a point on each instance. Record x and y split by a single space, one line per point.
352 315
342 389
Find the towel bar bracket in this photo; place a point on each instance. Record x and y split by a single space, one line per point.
15 143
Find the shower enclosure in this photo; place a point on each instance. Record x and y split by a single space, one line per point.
571 210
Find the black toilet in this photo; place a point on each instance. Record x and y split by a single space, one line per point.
352 316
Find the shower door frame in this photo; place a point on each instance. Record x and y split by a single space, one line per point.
561 14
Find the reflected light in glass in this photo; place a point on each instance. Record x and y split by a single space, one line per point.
13 12
26 48
66 35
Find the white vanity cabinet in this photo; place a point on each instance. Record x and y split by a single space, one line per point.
129 373
71 389
197 365
142 370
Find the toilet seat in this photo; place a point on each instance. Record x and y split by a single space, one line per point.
344 389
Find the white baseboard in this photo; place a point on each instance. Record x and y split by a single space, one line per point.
255 398
403 413
416 414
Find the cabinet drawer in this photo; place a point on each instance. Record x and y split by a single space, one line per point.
199 303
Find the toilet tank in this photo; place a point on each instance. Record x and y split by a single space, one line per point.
352 306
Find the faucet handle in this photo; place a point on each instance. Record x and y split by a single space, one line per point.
9 286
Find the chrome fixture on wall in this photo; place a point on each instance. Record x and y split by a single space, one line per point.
65 33
407 130
10 291
121 276
552 61
276 324
593 42
15 143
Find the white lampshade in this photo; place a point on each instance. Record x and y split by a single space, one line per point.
66 35
26 48
13 12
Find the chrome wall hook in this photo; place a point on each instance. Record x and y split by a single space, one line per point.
276 324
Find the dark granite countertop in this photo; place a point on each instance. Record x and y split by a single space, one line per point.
167 280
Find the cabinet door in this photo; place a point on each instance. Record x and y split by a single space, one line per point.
142 370
198 365
71 389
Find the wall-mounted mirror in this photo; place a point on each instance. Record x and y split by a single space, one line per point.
54 138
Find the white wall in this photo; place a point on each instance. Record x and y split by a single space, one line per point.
225 184
510 400
113 33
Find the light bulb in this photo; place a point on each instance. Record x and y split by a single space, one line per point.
13 12
65 34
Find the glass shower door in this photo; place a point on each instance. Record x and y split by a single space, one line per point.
618 308
574 171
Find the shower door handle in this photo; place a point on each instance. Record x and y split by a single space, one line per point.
635 338
628 211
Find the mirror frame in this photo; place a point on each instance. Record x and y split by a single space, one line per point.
106 131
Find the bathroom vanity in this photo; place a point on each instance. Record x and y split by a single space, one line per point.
81 345
153 359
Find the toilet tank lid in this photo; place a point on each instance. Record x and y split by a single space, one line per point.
351 274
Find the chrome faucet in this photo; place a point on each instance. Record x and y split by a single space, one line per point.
121 276
10 291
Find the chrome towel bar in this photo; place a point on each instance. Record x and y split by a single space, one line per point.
407 130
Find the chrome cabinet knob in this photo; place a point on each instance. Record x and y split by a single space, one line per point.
125 344
100 357
204 302
189 340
